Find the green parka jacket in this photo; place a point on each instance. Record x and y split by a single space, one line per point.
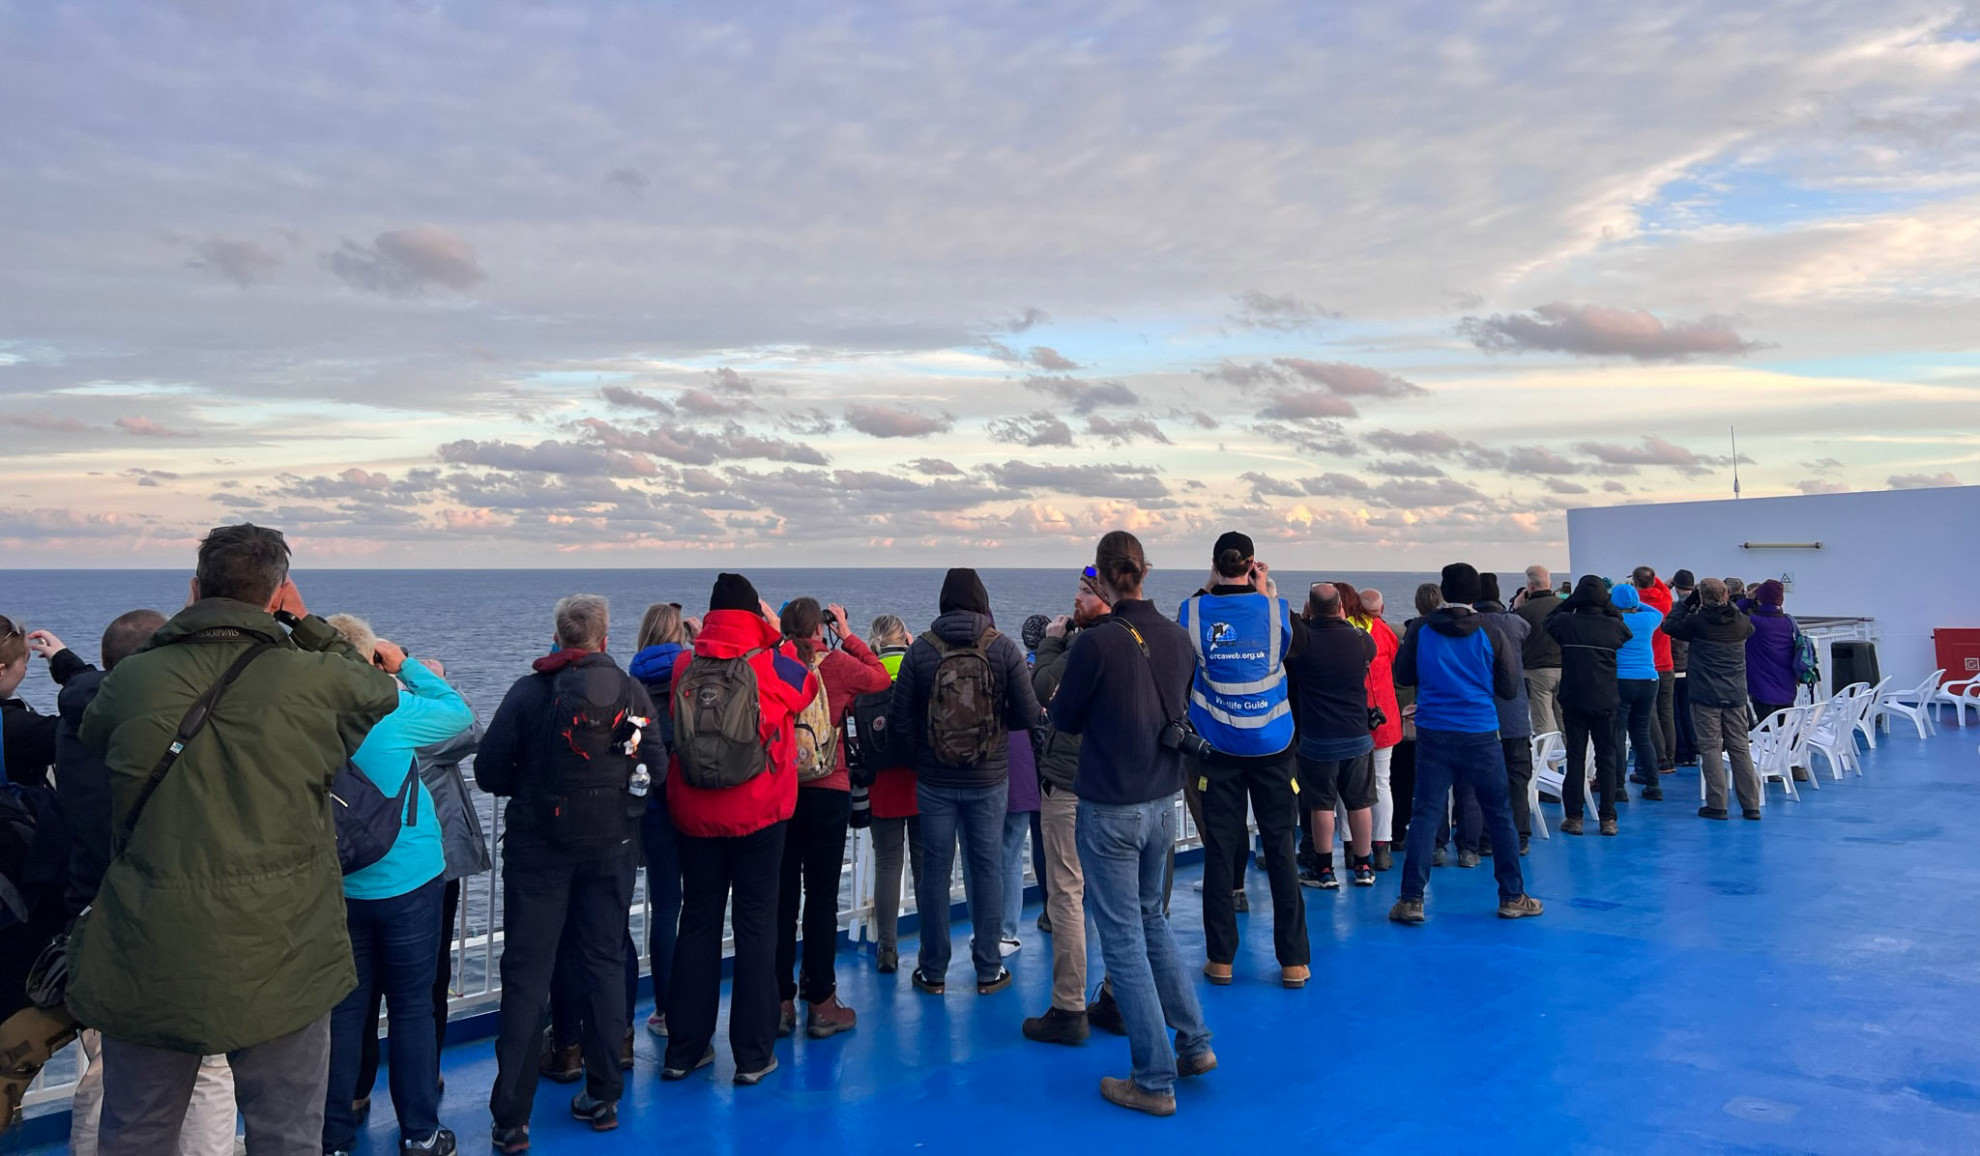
221 924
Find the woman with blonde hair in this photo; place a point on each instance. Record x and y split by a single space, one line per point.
896 818
663 636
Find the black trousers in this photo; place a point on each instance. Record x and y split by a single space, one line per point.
1519 779
711 870
814 851
547 895
450 906
1687 733
1402 788
1583 726
1266 784
1665 732
1636 720
567 995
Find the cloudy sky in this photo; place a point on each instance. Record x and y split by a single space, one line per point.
820 284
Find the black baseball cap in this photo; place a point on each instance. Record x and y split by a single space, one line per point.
1232 540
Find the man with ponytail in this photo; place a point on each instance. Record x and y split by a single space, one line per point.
1124 690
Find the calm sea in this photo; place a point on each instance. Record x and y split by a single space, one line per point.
487 625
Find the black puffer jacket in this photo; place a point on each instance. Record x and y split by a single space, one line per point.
1716 638
1590 631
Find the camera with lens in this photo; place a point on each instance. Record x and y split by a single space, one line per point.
1178 735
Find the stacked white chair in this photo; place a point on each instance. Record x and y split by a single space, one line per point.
1914 705
1544 746
1773 744
1866 711
1831 733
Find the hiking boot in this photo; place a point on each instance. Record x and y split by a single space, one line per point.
1468 859
1407 911
1200 1064
673 1073
1654 793
887 960
1711 812
1364 874
1218 973
1639 780
1752 813
1608 826
510 1140
1571 825
1295 977
1524 907
626 1057
829 1017
926 983
1437 857
564 1065
1240 901
756 1076
602 1115
1057 1026
786 1020
1384 861
1105 1014
1129 1094
993 986
441 1143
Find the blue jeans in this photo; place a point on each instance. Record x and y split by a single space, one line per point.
1636 721
1447 758
1017 824
1124 853
976 816
396 943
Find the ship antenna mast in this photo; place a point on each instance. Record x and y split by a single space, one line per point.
1733 433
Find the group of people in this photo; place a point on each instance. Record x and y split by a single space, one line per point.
266 821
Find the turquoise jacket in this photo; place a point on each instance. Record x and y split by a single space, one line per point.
1637 659
429 711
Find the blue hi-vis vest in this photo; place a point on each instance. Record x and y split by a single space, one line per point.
1237 700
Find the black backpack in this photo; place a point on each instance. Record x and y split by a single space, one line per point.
878 747
368 820
965 714
585 799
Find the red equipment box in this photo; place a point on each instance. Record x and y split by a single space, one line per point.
1959 652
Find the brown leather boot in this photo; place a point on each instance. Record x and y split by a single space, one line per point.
1129 1094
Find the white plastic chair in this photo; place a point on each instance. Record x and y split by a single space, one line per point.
1913 705
1961 696
1773 746
1866 711
1830 733
1543 748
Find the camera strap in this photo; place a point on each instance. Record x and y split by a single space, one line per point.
1147 660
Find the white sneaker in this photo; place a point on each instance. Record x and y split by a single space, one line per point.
657 1024
1009 947
1198 885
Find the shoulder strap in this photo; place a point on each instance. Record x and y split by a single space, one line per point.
191 725
1148 661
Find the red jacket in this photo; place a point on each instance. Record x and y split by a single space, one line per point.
848 672
1658 598
784 686
1382 683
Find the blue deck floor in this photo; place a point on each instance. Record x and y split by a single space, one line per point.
1809 983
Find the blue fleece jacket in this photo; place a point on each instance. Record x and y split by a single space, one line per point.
1459 670
1637 658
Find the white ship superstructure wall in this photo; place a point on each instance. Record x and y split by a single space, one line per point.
1906 558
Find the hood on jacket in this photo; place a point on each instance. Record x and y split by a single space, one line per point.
1489 607
551 663
963 590
1625 598
1455 621
1590 594
733 633
656 663
960 627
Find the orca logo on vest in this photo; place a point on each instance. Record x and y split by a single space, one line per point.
1222 634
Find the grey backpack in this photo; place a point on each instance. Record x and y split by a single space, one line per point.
718 722
965 712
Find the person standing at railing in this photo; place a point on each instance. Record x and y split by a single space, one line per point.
1770 677
732 789
1715 634
663 637
394 911
815 839
1590 632
565 748
1125 691
220 925
896 818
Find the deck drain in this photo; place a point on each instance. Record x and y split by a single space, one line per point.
1755 1108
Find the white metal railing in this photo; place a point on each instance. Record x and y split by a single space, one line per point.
474 960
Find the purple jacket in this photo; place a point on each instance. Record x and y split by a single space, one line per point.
1770 656
1024 774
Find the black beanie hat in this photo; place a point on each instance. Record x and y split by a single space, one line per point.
733 592
1034 631
963 590
1488 587
1460 584
1683 580
1591 592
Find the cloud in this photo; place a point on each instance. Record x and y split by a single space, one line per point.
407 261
45 422
695 448
1313 437
1265 486
725 380
1922 481
1350 380
1537 460
576 459
1614 487
1196 417
1597 331
242 262
1306 405
1654 451
1124 430
1083 396
626 398
1336 485
885 421
1563 486
1405 469
1821 486
1047 358
1823 465
141 426
701 403
1135 483
1035 429
1435 443
627 180
1030 318
934 467
1276 313
59 522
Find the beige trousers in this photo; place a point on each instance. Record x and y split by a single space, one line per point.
1065 898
